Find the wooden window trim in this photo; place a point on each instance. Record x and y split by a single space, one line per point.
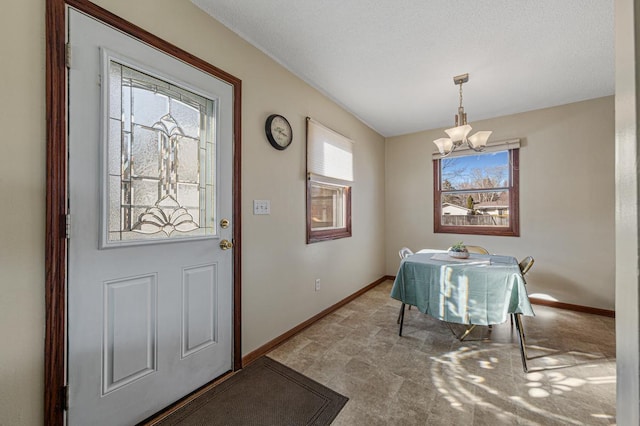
329 234
514 204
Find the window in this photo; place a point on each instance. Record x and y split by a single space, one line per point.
477 193
160 157
329 179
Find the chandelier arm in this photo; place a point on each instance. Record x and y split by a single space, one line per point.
454 146
448 153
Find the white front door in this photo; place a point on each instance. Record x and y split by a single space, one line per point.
150 180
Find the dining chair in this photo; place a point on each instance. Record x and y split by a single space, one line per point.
526 264
404 252
477 249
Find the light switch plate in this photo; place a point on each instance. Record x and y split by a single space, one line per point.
261 206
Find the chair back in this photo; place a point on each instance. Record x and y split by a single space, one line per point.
476 249
404 252
526 264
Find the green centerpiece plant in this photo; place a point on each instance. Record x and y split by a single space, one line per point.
459 250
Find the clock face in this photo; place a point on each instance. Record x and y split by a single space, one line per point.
278 131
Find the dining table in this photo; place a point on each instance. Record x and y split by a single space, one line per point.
479 290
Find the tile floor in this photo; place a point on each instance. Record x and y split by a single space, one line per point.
428 377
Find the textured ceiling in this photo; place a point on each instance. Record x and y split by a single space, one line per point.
391 63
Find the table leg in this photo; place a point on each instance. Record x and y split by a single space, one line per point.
523 349
401 319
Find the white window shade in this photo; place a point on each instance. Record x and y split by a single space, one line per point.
329 154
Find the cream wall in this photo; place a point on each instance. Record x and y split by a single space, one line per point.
22 178
278 267
567 215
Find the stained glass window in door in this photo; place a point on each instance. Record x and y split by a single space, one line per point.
160 159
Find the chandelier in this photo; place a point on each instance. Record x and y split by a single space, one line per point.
458 134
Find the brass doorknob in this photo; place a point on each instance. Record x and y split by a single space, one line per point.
226 244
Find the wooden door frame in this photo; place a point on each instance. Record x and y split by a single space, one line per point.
56 186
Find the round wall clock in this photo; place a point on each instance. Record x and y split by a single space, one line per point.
278 131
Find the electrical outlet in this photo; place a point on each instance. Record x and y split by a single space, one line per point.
261 206
317 284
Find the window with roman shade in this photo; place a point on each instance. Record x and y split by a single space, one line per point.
329 180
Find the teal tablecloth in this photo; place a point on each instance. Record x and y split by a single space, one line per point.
465 293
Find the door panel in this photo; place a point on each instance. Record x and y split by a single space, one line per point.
150 177
130 321
199 305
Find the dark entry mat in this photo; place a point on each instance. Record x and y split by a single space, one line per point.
265 393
